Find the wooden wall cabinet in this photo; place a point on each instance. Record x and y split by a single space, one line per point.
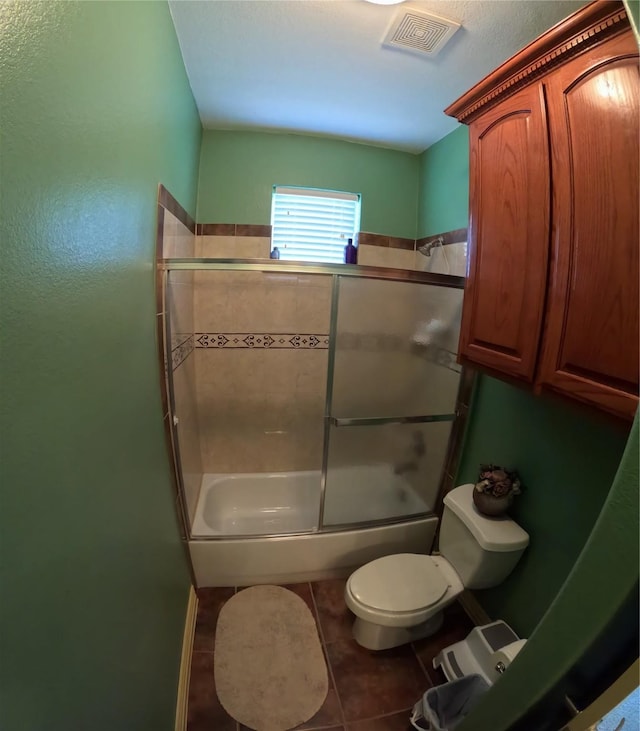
552 293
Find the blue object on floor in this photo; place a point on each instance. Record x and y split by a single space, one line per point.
625 716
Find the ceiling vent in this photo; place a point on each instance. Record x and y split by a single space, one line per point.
419 32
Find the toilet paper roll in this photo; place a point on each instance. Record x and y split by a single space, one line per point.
507 654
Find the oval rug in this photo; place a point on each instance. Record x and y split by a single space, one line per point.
269 668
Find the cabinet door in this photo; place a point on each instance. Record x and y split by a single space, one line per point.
590 347
508 235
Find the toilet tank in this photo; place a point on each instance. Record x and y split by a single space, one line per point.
482 550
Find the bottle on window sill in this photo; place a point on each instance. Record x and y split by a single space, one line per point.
275 253
350 253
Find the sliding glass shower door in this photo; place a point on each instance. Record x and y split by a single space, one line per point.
392 398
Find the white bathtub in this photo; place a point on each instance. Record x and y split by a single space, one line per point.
238 510
255 504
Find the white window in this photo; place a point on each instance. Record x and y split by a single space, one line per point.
313 225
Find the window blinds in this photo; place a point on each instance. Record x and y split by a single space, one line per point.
313 225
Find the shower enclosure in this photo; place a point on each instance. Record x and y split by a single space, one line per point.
312 408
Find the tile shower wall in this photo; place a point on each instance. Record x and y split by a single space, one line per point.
232 244
380 256
449 259
179 241
271 398
398 253
261 352
385 251
228 240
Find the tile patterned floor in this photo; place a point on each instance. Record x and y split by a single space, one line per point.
368 691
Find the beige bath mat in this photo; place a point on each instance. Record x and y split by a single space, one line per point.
269 667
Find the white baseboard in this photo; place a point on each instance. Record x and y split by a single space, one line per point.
185 661
473 609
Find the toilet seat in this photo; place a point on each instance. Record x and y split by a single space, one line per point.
401 590
404 582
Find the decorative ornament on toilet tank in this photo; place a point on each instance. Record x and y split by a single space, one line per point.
494 491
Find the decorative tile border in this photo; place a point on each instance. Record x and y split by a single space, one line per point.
310 341
362 237
166 200
395 242
270 341
216 229
181 351
387 242
252 229
233 229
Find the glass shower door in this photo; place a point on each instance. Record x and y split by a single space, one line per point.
393 394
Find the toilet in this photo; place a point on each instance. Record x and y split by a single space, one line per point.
400 598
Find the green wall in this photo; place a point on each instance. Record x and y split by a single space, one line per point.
444 184
239 169
601 582
567 478
567 460
633 10
96 110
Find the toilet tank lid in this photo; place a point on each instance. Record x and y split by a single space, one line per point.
493 534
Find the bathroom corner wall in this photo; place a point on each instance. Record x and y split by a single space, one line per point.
443 201
261 347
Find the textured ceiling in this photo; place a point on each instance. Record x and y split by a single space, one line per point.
318 67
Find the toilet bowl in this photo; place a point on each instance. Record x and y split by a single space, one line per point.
400 598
